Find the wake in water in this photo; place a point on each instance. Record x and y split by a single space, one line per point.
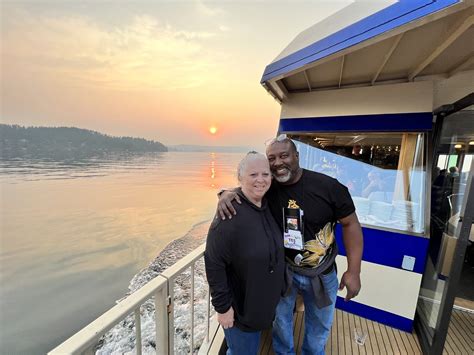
121 338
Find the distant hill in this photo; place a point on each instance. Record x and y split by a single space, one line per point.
207 148
67 143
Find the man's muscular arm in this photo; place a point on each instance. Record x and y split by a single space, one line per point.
224 205
354 244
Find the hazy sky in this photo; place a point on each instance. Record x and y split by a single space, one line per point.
163 70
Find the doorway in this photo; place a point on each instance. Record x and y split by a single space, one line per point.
449 274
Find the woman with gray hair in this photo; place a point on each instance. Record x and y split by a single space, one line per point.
245 261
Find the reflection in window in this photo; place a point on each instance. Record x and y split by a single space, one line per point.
466 165
442 161
384 173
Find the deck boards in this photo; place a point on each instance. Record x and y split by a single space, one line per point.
460 337
381 339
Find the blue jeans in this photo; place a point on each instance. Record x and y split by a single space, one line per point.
240 342
317 321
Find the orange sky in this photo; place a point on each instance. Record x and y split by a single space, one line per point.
163 70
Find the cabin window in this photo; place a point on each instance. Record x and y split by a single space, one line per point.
385 173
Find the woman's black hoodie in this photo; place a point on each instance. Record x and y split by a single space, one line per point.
245 265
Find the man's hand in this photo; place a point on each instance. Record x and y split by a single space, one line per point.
351 281
224 206
226 320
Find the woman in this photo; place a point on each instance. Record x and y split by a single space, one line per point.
376 184
245 261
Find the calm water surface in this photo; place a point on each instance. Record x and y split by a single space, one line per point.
73 234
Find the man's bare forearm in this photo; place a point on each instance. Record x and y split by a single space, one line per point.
353 242
230 189
224 205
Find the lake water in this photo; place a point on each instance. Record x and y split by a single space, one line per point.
74 234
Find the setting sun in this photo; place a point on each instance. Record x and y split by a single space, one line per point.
213 130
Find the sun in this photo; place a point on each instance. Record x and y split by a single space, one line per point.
213 130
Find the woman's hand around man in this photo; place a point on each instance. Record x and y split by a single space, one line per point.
226 320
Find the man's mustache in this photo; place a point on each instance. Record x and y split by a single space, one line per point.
281 166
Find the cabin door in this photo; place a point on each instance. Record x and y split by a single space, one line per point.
451 217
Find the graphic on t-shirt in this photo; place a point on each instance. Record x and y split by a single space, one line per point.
316 249
292 204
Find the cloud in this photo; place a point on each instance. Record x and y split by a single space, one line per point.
224 28
207 10
141 54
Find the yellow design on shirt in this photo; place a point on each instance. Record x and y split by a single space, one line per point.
316 249
292 204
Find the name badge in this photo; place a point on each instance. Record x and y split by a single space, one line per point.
293 228
293 240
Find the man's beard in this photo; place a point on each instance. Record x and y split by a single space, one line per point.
283 178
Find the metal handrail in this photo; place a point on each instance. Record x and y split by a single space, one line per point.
161 287
450 201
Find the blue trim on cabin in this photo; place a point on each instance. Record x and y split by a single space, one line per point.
399 122
387 19
375 314
388 248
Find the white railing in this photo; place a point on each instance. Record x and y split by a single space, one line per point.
162 289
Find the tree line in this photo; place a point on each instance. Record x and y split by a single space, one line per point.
67 143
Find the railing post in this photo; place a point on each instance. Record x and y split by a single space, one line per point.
171 315
208 311
161 321
138 331
192 307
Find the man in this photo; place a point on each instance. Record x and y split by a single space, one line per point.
453 171
376 184
357 154
312 202
357 151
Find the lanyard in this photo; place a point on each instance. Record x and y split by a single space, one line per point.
300 205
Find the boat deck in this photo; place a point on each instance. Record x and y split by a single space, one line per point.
381 339
460 338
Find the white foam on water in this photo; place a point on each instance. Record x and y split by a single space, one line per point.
121 338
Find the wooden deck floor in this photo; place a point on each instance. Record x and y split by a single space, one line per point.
381 339
460 338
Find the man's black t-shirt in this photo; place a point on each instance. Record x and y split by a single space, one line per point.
322 198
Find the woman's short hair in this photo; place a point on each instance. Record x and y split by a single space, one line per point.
250 156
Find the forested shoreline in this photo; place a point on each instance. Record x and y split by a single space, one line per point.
67 143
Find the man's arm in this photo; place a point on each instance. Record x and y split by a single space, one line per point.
224 205
354 244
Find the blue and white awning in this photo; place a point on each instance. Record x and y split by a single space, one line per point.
371 42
